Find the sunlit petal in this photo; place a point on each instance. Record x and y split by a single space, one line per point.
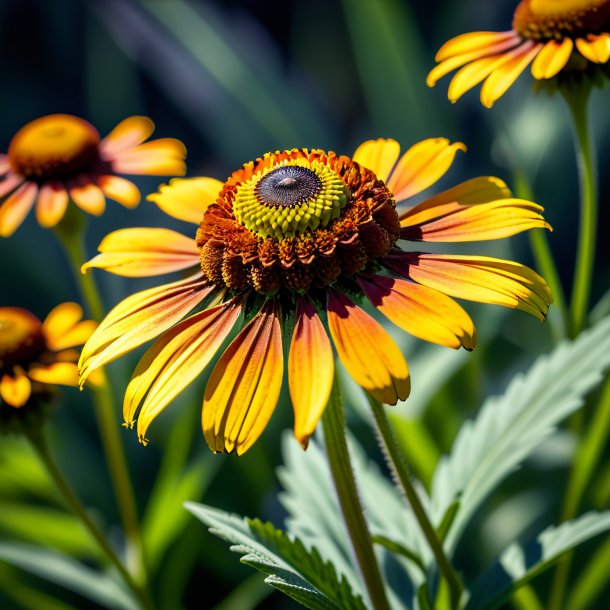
58 373
127 134
121 190
379 156
552 58
89 198
52 203
15 390
14 210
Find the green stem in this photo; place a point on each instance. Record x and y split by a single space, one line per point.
70 234
585 256
349 501
39 444
402 474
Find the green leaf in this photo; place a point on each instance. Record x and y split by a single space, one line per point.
293 569
511 427
60 569
516 565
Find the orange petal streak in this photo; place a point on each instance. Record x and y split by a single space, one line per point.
14 210
164 157
472 41
127 134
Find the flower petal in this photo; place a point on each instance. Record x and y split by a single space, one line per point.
187 198
174 361
89 198
378 155
424 313
477 278
367 351
121 190
552 59
473 41
244 386
163 157
595 48
52 203
9 183
14 210
15 391
58 373
421 166
127 134
310 370
63 327
139 318
5 166
144 252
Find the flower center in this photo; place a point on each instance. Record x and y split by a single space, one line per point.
290 198
54 146
545 19
21 337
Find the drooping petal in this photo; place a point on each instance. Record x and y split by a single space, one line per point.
63 327
58 373
15 390
378 155
500 80
174 361
423 312
144 252
595 48
164 157
89 198
139 318
310 370
552 59
14 210
52 203
244 386
9 183
473 41
121 190
477 278
367 351
421 166
127 134
187 198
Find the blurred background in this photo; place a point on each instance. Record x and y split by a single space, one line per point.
234 79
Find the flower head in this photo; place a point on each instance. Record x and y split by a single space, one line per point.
553 34
286 251
59 156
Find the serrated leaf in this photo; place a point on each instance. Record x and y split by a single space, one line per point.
516 565
295 570
510 427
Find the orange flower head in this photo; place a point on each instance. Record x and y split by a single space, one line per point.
60 157
298 240
554 36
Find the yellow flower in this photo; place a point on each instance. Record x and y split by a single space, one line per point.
59 156
545 32
291 241
35 355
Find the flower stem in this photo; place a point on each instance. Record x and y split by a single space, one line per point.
39 444
585 256
347 493
402 474
70 235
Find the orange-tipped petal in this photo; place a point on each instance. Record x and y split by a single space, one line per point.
187 198
473 41
15 391
63 327
423 312
477 278
9 183
14 210
421 166
310 370
144 252
367 351
121 190
552 58
89 198
58 373
379 156
127 134
244 386
164 157
139 318
595 48
52 203
174 361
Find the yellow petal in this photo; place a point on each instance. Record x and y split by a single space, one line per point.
163 157
188 198
15 391
52 204
127 134
58 373
174 361
144 252
552 58
472 74
139 318
14 210
473 41
367 351
244 386
63 327
378 155
89 198
121 190
421 166
595 48
310 370
420 311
